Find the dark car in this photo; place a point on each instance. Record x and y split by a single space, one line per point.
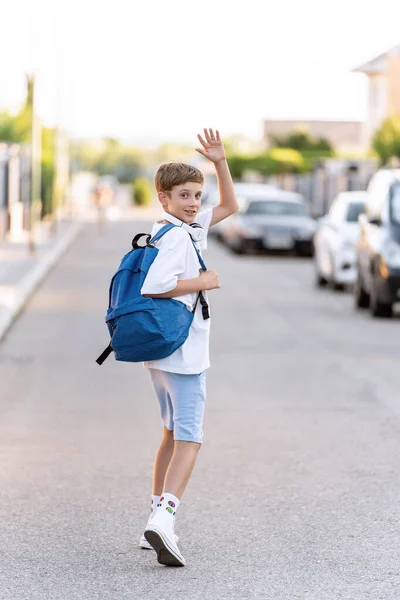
273 220
378 249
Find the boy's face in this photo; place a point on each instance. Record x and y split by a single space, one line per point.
183 201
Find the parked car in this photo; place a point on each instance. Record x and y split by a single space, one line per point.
378 249
270 219
210 198
335 241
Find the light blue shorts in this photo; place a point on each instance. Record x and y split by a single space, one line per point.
182 399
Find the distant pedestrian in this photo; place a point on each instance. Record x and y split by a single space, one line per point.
179 380
103 200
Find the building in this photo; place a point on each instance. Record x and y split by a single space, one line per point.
343 135
383 74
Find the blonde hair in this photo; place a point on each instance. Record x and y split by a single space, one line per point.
171 174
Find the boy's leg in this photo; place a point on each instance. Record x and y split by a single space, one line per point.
187 395
162 461
178 474
182 400
166 448
180 467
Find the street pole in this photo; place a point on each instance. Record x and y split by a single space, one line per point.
61 164
36 161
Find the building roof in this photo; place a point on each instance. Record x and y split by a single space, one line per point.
377 64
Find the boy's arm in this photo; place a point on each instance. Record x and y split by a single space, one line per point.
213 149
184 286
228 203
207 280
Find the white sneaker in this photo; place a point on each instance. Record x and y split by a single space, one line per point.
143 543
160 535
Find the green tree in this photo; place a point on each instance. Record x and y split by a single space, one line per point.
142 191
274 162
300 140
17 129
286 160
386 140
48 170
108 157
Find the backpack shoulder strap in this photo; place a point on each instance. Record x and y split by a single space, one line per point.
200 297
167 228
201 261
161 232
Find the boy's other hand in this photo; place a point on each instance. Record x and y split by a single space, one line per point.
213 148
209 280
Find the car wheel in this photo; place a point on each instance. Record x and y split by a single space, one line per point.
320 280
304 248
237 248
361 296
379 309
335 285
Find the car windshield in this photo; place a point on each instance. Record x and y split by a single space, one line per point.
395 205
276 207
355 209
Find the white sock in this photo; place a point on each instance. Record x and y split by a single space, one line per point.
169 502
154 503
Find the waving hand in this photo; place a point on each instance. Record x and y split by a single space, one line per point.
212 146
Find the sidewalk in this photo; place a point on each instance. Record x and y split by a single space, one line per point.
21 272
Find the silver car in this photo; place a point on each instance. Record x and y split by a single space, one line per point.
210 198
271 220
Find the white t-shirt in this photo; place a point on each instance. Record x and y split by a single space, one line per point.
177 259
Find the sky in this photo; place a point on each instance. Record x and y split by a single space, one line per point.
159 71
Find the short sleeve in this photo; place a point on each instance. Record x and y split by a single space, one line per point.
166 268
204 219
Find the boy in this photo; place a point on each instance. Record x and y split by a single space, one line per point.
179 379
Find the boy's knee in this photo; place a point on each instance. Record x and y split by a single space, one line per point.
198 445
189 445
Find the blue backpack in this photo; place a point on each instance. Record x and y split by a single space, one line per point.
140 328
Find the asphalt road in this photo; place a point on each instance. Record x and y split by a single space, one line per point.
296 491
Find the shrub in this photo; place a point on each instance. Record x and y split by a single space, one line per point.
386 140
274 162
287 160
142 191
238 164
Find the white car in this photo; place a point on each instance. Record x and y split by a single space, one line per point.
335 241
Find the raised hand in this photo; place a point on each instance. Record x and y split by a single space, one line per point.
213 148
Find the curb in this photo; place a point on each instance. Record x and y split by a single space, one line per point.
34 278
